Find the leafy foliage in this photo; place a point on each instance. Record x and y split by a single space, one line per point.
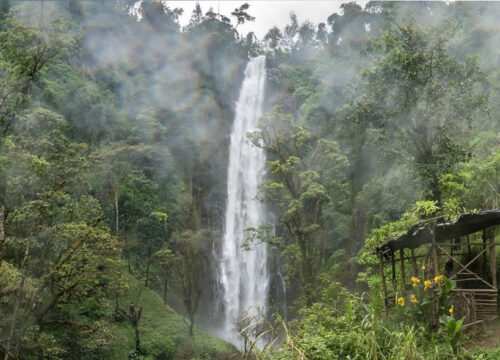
114 123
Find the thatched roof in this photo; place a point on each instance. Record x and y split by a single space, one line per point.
421 233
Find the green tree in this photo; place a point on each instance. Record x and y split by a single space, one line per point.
290 31
125 188
424 98
242 15
52 231
192 249
196 17
304 171
307 32
160 16
152 233
273 38
10 100
166 260
29 50
349 30
322 34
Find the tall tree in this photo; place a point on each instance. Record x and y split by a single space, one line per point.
303 172
65 257
160 16
242 15
196 17
11 86
152 232
425 98
291 31
166 260
273 38
192 250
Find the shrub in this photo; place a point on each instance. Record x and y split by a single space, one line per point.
159 347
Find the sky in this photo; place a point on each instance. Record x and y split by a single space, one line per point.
267 13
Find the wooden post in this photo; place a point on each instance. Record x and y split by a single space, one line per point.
484 254
435 262
468 245
493 259
414 269
435 265
403 275
384 287
394 281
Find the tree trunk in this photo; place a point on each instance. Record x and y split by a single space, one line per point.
135 317
19 293
2 230
435 190
137 340
3 192
117 234
165 289
117 223
191 324
117 212
147 271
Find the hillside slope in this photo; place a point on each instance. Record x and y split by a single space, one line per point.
164 334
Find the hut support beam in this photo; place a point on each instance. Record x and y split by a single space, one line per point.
384 286
413 260
493 259
464 268
484 254
403 275
394 281
435 265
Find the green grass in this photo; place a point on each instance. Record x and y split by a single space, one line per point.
164 333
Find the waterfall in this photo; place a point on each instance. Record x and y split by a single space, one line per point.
244 273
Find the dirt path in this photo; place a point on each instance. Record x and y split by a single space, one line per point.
491 336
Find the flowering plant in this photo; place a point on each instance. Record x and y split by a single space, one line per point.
419 307
418 304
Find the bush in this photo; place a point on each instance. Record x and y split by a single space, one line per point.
350 328
159 347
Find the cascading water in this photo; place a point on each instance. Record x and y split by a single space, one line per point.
244 273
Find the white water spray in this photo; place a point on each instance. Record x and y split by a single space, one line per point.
244 274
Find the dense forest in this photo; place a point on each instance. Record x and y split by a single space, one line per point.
115 124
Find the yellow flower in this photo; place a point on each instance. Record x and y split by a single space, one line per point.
427 284
451 310
415 281
401 301
413 299
423 267
439 278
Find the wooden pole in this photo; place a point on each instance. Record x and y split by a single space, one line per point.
493 258
435 262
403 275
414 269
384 287
452 247
468 245
484 254
435 265
394 282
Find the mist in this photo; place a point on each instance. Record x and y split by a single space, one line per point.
116 120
